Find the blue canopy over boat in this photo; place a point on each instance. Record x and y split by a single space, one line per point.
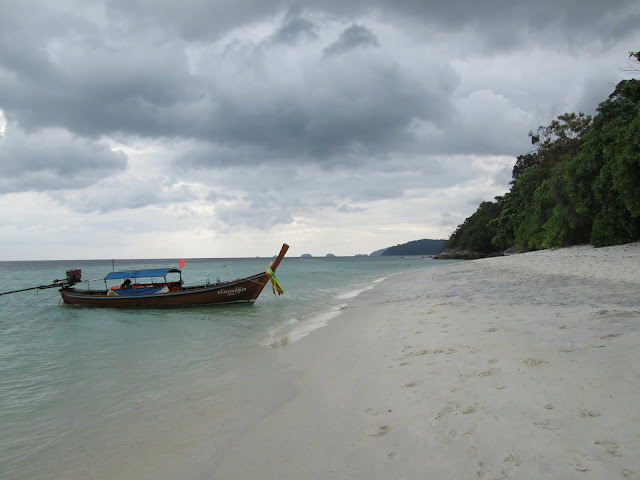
161 272
141 291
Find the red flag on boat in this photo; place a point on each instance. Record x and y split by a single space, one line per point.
182 263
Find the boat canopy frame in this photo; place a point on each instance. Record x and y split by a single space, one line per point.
158 272
137 274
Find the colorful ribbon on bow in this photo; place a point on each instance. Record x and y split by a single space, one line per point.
275 284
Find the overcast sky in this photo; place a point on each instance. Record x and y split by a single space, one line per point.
223 128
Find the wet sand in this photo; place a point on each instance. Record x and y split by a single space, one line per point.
514 367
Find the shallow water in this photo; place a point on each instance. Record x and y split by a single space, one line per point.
85 391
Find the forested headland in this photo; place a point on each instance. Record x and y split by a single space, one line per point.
417 247
580 184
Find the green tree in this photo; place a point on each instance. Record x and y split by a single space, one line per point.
477 231
510 217
603 179
528 160
543 206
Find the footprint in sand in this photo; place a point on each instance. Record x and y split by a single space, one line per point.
610 335
447 409
547 425
589 413
483 464
534 362
510 463
612 448
469 409
384 430
577 460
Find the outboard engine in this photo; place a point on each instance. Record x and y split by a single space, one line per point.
74 276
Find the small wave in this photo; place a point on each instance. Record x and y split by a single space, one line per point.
358 291
296 330
353 293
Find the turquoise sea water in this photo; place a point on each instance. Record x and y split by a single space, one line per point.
85 391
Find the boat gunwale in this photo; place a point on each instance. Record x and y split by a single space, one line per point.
99 294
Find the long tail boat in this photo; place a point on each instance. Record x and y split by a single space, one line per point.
145 292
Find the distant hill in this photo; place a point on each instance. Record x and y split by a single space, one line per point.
417 247
377 253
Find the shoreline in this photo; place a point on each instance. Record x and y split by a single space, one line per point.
523 366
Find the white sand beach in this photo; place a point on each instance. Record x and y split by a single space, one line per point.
514 367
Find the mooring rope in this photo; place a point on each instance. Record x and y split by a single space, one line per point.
38 300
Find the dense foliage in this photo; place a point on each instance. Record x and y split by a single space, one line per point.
581 184
477 231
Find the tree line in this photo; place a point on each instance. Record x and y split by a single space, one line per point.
580 184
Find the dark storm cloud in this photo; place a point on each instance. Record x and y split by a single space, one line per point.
295 29
134 77
353 37
51 160
295 92
503 24
348 109
193 19
143 86
96 89
499 24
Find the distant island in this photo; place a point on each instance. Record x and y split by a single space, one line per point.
415 247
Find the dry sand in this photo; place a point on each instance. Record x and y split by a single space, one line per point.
514 367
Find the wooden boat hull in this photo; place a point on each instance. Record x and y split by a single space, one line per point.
245 290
